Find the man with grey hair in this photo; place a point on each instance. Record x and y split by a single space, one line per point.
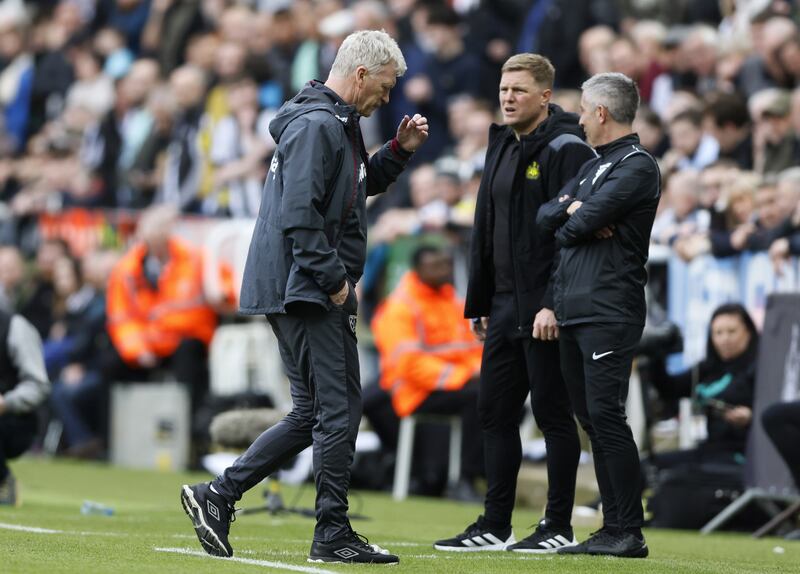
306 256
602 223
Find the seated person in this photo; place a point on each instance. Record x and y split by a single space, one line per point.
158 316
725 388
430 359
73 353
24 386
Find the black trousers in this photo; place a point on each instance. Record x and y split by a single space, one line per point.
318 348
515 364
782 423
16 436
596 360
431 442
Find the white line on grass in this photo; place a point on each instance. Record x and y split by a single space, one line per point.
33 529
251 561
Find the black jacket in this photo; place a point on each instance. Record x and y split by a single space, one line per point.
311 231
602 280
549 158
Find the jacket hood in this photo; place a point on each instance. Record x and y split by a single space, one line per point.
558 122
314 96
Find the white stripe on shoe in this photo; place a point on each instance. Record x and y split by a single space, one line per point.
487 543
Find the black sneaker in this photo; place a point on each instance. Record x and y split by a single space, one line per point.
9 493
545 539
211 516
597 537
477 537
622 545
350 549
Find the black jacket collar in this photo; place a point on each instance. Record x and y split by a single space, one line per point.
625 141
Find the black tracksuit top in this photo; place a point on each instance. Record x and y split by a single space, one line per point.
602 280
548 158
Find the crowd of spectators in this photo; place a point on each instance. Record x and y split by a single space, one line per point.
115 106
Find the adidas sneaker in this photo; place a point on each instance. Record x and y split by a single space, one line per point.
545 539
477 537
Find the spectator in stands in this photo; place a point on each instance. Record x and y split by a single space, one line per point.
38 299
729 234
23 387
183 169
430 361
16 76
651 131
787 242
777 147
166 33
447 71
763 68
730 125
725 389
147 171
158 316
681 218
92 90
74 351
691 147
240 147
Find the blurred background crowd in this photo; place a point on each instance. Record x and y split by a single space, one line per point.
131 129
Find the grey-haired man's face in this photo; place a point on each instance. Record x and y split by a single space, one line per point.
373 89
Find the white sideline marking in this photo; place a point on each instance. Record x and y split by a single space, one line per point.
251 561
33 529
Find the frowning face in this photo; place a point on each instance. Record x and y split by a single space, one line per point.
522 101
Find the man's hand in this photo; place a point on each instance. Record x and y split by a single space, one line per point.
147 360
340 297
741 234
544 325
739 416
778 254
412 132
2 405
605 233
574 206
478 328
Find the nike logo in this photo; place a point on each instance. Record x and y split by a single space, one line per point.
595 356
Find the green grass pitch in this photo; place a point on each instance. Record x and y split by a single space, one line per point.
149 533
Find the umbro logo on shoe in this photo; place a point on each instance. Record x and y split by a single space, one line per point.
346 553
212 509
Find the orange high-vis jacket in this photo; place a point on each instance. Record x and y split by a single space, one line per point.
142 319
425 343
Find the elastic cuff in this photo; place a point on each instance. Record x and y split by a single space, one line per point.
398 150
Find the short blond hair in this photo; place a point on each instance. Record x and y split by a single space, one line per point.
536 65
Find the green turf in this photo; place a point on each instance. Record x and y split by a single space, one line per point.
148 516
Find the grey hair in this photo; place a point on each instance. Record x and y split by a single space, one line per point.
614 91
790 175
372 49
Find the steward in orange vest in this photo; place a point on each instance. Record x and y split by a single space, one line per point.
155 299
425 343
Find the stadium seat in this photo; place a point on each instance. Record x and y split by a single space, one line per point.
405 451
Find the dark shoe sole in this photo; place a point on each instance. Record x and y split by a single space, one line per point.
208 538
642 552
